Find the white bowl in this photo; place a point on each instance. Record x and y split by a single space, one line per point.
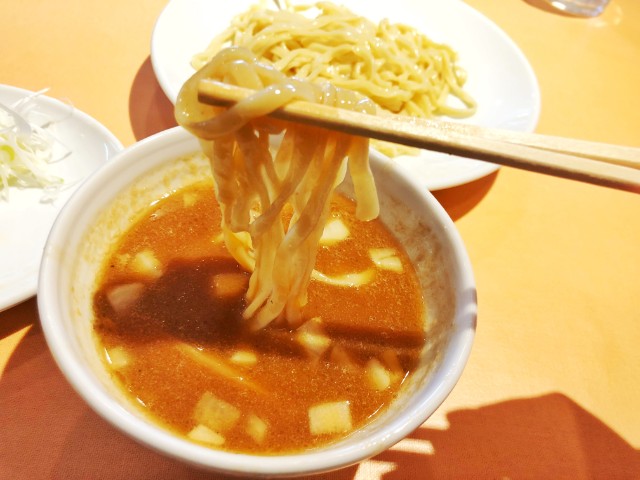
102 208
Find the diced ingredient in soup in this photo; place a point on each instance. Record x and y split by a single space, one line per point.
118 358
330 417
390 359
340 357
256 428
121 297
312 337
204 434
378 375
244 358
386 258
229 285
215 413
145 263
334 231
353 279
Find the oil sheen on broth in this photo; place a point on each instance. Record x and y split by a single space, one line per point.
169 316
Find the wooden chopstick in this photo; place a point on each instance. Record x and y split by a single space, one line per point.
597 163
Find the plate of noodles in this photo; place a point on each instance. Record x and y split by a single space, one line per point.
47 147
476 73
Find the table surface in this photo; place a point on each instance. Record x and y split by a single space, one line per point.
552 387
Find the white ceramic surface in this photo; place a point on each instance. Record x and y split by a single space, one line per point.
25 220
500 77
78 241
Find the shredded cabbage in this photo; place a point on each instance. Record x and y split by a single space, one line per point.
27 150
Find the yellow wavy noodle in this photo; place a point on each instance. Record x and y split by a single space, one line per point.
398 67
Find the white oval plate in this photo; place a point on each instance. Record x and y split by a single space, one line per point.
500 77
25 221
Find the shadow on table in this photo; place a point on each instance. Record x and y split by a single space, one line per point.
150 111
460 200
48 432
22 315
543 437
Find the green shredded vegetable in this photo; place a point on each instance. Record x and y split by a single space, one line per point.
27 151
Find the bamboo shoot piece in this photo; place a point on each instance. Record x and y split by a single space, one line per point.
329 418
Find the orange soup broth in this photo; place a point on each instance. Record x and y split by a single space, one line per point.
183 232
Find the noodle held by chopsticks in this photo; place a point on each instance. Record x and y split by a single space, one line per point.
254 186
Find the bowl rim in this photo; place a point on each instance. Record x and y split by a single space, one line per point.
329 458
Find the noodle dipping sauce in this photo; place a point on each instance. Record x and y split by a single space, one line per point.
142 307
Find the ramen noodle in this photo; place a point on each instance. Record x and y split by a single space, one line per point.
395 65
256 186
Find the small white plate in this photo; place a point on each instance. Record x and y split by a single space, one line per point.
500 77
25 220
